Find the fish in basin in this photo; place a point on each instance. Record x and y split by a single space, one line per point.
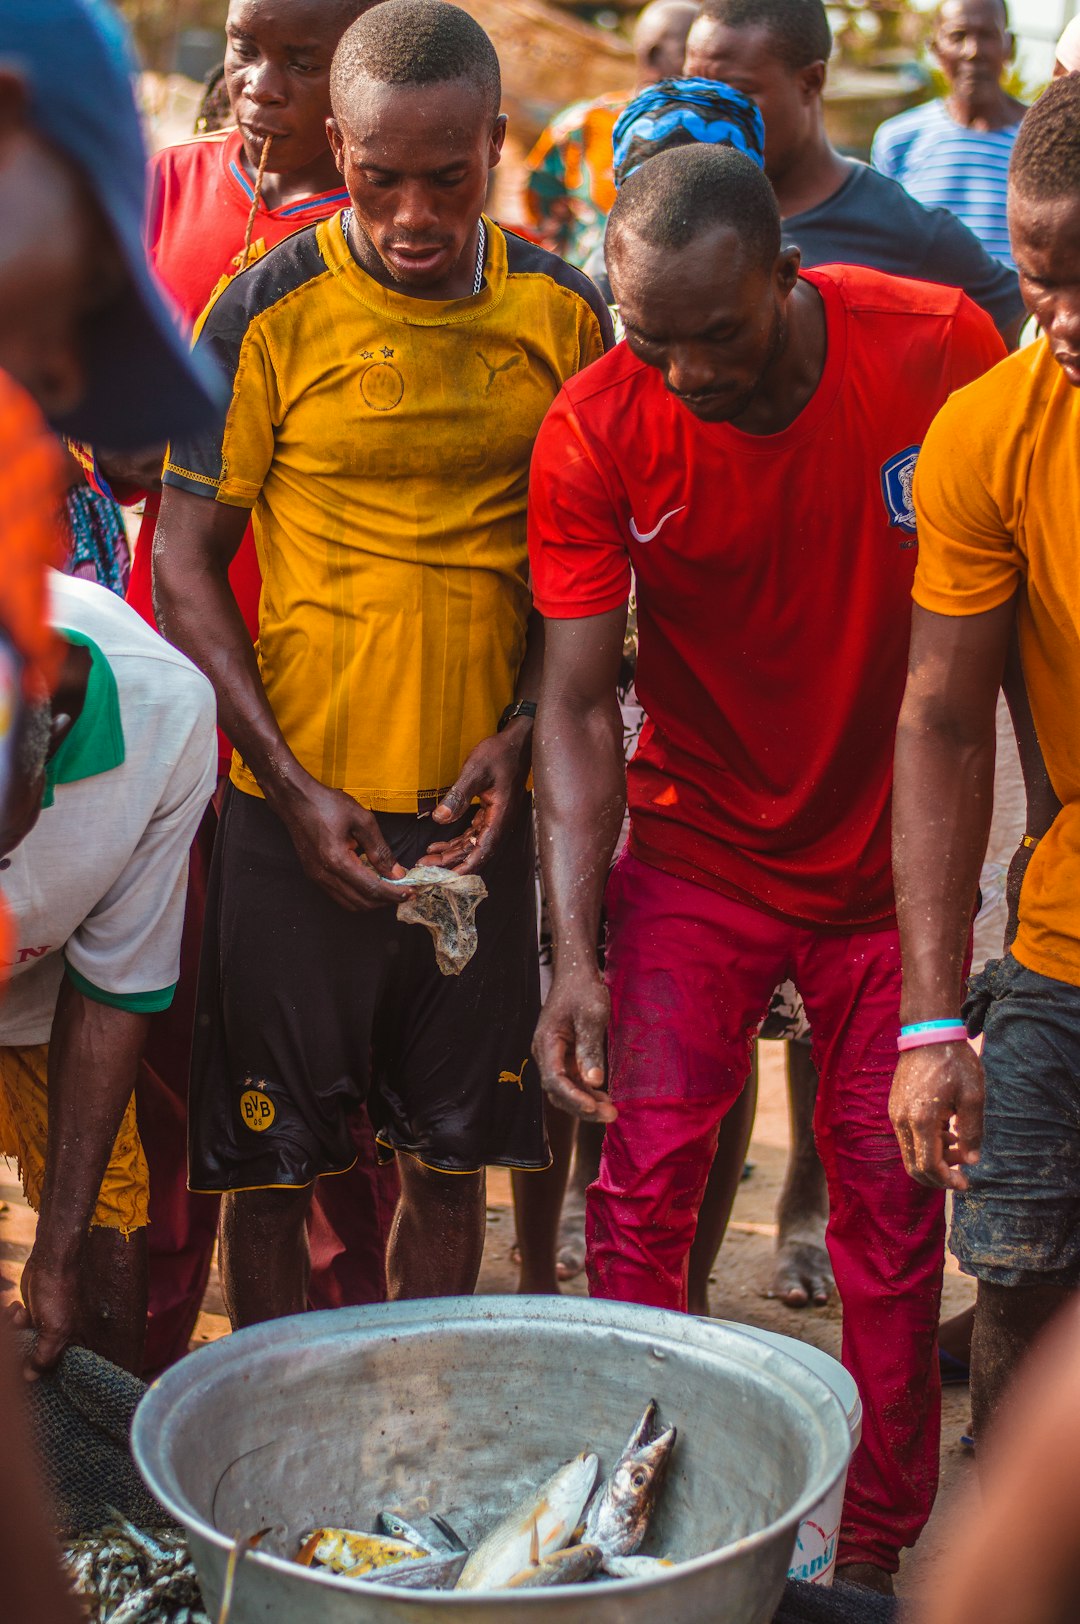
542 1523
620 1512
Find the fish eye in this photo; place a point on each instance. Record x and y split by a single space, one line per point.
639 1479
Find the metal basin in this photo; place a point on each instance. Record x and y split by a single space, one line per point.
464 1404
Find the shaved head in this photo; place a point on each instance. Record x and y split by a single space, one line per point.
415 42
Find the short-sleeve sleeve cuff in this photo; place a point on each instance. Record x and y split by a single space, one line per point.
139 1003
580 608
972 602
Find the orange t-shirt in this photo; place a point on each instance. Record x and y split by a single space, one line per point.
997 491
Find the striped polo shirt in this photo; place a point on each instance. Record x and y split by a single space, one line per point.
945 165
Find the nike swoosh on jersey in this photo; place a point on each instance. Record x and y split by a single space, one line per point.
650 535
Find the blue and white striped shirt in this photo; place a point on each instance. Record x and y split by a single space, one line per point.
944 165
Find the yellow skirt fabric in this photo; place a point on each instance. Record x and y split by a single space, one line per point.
24 1126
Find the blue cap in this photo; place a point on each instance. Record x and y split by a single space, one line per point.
144 386
680 112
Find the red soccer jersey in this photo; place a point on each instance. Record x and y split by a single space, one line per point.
774 579
200 199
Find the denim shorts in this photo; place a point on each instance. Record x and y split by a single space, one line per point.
1019 1222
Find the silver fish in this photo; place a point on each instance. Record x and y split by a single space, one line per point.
618 1517
571 1566
543 1523
432 1534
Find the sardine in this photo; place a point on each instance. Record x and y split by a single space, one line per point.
439 1572
546 1521
432 1534
571 1566
637 1567
618 1518
353 1555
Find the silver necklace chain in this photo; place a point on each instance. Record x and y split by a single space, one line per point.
481 248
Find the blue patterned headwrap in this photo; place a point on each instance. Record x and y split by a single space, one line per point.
680 112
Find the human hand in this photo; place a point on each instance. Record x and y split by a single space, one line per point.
569 1045
326 827
50 1308
495 773
936 1109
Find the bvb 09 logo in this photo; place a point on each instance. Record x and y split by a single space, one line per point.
257 1110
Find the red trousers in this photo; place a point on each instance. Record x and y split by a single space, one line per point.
351 1213
690 974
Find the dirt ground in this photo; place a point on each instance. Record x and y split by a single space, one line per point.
741 1274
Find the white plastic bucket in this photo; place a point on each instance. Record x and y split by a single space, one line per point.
815 1548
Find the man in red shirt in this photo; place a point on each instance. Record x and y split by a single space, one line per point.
747 453
203 210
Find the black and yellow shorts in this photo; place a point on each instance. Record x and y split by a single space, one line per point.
305 1011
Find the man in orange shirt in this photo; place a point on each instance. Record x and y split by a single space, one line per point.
996 489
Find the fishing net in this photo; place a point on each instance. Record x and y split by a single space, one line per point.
445 904
127 1557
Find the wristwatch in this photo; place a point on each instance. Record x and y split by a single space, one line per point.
520 707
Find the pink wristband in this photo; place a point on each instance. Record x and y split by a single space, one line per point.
938 1034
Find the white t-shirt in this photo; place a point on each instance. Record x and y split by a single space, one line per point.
99 883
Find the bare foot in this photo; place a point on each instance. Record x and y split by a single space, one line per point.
802 1273
570 1259
866 1575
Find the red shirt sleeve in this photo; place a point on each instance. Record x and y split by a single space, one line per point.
577 547
976 345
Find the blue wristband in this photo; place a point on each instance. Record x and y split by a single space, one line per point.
930 1026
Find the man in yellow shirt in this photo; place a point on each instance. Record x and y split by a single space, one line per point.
390 369
997 491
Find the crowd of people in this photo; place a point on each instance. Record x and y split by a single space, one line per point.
423 544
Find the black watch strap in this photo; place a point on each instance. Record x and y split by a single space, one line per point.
521 707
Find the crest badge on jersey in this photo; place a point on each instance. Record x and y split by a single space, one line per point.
897 477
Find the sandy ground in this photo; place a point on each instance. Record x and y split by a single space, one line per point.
741 1274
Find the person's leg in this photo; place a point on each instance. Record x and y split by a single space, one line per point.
1008 1322
690 973
585 1170
183 1227
264 1254
732 1143
287 986
437 1240
1017 1229
886 1240
349 1224
455 1088
538 1205
802 1272
114 1296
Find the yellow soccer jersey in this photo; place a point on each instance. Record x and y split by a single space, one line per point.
382 443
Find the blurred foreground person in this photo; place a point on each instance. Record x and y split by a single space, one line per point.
1067 53
568 174
85 330
738 379
1000 468
1011 1553
390 370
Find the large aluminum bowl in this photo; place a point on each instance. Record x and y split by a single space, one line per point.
467 1403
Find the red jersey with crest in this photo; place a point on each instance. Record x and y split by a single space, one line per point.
773 579
200 199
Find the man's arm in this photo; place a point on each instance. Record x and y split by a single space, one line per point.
195 542
94 1050
495 774
581 793
957 258
1043 805
942 804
